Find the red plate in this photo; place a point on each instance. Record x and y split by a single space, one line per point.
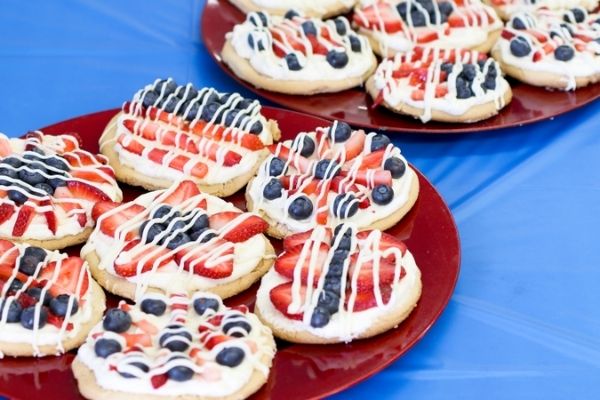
529 104
299 371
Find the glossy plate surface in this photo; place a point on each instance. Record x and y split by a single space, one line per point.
299 371
529 104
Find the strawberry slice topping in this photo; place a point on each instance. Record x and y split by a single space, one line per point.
248 226
184 191
152 257
288 261
24 218
213 259
380 16
298 239
68 277
112 223
366 299
281 298
6 211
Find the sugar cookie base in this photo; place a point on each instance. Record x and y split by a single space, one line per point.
247 6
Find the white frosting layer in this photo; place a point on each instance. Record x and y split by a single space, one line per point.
277 209
171 277
515 6
210 378
314 66
312 6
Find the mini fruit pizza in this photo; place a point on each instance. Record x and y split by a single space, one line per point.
506 8
313 8
330 176
298 55
177 239
553 49
48 186
168 133
175 347
441 85
397 26
337 285
48 303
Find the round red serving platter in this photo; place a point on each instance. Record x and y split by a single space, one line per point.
299 371
530 104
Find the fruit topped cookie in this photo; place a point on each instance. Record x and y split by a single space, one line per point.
48 302
395 26
506 8
313 8
553 49
169 132
48 186
177 239
175 347
333 175
334 285
298 55
449 85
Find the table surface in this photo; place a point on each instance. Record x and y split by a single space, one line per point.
524 319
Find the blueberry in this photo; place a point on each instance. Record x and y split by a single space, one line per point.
519 46
151 229
230 357
205 303
17 196
262 19
153 306
176 225
149 99
337 59
32 154
396 166
492 70
518 23
291 14
205 236
292 62
468 72
15 285
30 259
340 26
309 28
56 182
445 8
180 373
192 93
447 67
276 167
179 240
564 53
166 86
12 161
116 320
36 293
60 303
272 189
300 208
336 265
200 222
31 177
346 241
307 147
345 205
56 162
141 366
190 110
28 318
209 111
333 283
402 9
170 104
105 347
45 188
342 132
257 45
232 116
178 340
489 83
319 318
8 172
161 212
463 88
256 128
14 311
417 17
235 328
382 194
576 15
355 44
379 141
329 301
326 169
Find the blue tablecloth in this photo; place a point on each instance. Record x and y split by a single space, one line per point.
524 321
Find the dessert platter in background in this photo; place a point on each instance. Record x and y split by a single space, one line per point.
331 100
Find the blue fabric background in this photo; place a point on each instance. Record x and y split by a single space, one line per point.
524 321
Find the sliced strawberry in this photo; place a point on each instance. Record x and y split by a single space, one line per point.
180 162
251 142
24 218
441 90
300 163
322 209
427 36
142 260
58 322
68 276
131 145
50 215
81 190
457 20
89 175
384 18
386 241
25 300
6 211
366 300
214 340
146 326
184 191
372 160
355 145
537 56
281 298
540 36
418 95
365 282
292 183
248 227
287 262
371 180
297 239
219 220
159 380
137 339
506 34
213 259
317 46
221 270
111 224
